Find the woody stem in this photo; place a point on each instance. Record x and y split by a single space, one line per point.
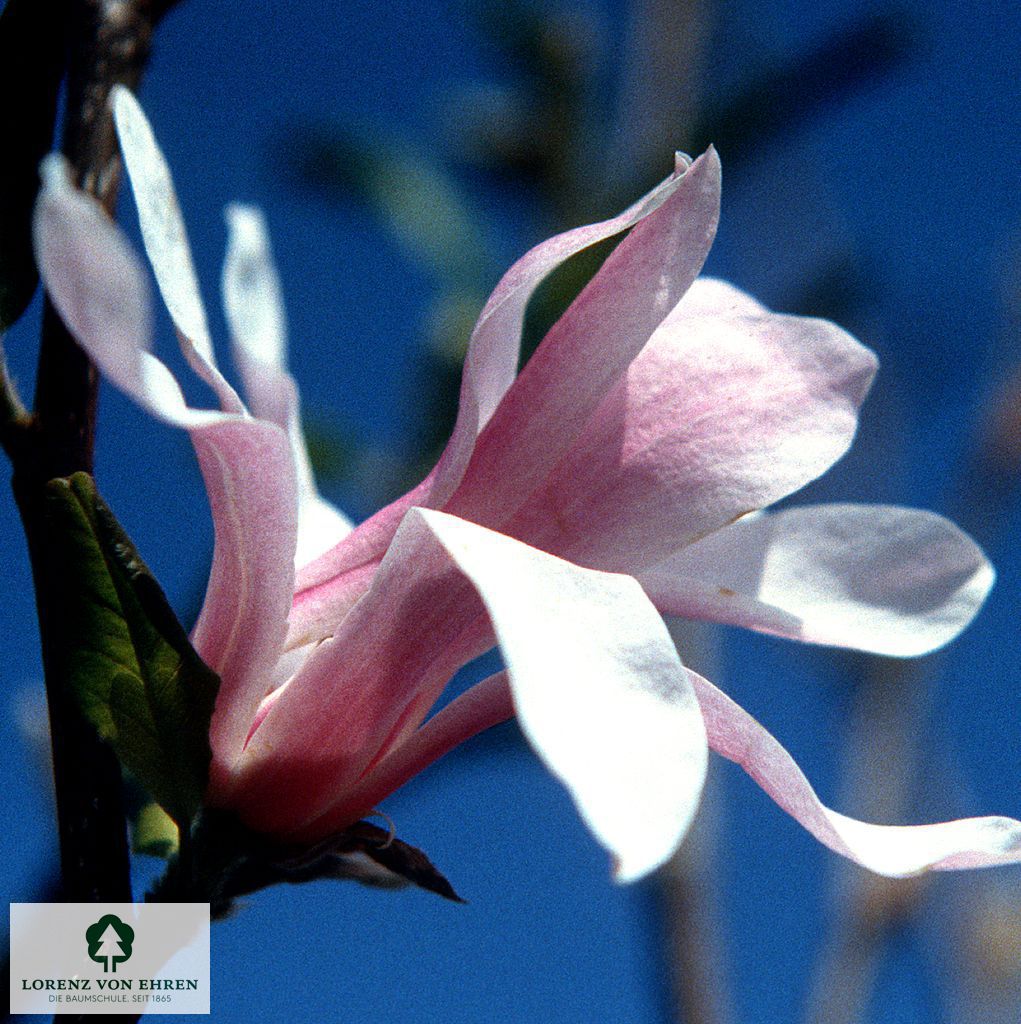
97 43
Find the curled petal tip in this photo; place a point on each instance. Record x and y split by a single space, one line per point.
684 161
714 169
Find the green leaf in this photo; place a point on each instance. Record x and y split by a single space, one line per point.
423 207
133 670
784 95
32 52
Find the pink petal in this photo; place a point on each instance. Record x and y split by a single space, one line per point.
682 211
418 622
588 351
894 850
91 273
484 705
240 632
166 241
596 680
321 585
890 580
317 613
255 311
100 289
728 408
493 354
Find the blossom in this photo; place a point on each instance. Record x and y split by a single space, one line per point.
620 476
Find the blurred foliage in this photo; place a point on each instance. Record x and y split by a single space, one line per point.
782 98
330 446
530 133
411 194
533 132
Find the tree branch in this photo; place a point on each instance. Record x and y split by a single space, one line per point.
103 42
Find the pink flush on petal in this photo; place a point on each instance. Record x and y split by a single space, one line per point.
620 476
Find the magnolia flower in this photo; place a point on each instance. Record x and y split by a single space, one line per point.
617 477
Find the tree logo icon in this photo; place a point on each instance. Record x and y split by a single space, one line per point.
109 942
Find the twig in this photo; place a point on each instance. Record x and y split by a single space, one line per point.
688 887
108 42
884 744
696 974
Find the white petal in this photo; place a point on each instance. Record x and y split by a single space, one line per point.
255 312
254 306
598 687
166 241
100 289
878 578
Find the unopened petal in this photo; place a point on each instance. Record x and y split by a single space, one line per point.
878 578
894 850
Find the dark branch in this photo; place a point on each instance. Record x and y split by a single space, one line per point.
100 42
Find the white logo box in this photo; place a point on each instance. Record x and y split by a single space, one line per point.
128 958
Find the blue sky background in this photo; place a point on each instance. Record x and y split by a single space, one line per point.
910 185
